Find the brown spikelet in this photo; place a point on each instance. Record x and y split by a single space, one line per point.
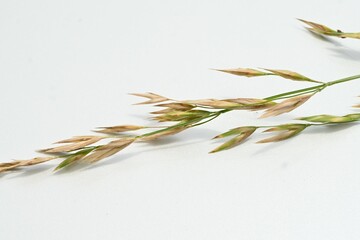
319 28
242 134
213 103
324 30
180 115
246 72
176 106
76 143
153 98
286 105
251 103
76 139
108 150
119 129
163 111
286 131
21 163
291 75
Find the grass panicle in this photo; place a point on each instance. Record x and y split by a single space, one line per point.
186 114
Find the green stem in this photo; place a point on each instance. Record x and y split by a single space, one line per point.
316 88
347 79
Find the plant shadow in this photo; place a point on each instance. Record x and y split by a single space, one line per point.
346 53
338 49
319 130
323 38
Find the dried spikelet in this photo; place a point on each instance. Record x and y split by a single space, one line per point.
319 28
8 166
176 106
76 139
76 144
242 134
181 115
291 75
213 103
163 111
246 72
280 137
108 150
286 105
324 30
286 131
153 98
251 103
119 129
21 163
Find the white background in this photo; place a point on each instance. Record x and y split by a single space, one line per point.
67 66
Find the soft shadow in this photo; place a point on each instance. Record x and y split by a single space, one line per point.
266 147
330 128
323 38
26 172
346 53
318 130
122 157
338 49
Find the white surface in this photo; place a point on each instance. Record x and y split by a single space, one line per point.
67 66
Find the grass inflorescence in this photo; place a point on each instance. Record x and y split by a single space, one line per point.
186 114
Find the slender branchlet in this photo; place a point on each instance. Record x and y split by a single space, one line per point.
283 131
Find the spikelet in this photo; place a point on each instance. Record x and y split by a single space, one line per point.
324 118
286 131
241 133
324 30
21 163
153 98
291 75
108 150
286 106
118 129
245 72
75 143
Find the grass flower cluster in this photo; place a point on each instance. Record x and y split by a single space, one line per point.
186 114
